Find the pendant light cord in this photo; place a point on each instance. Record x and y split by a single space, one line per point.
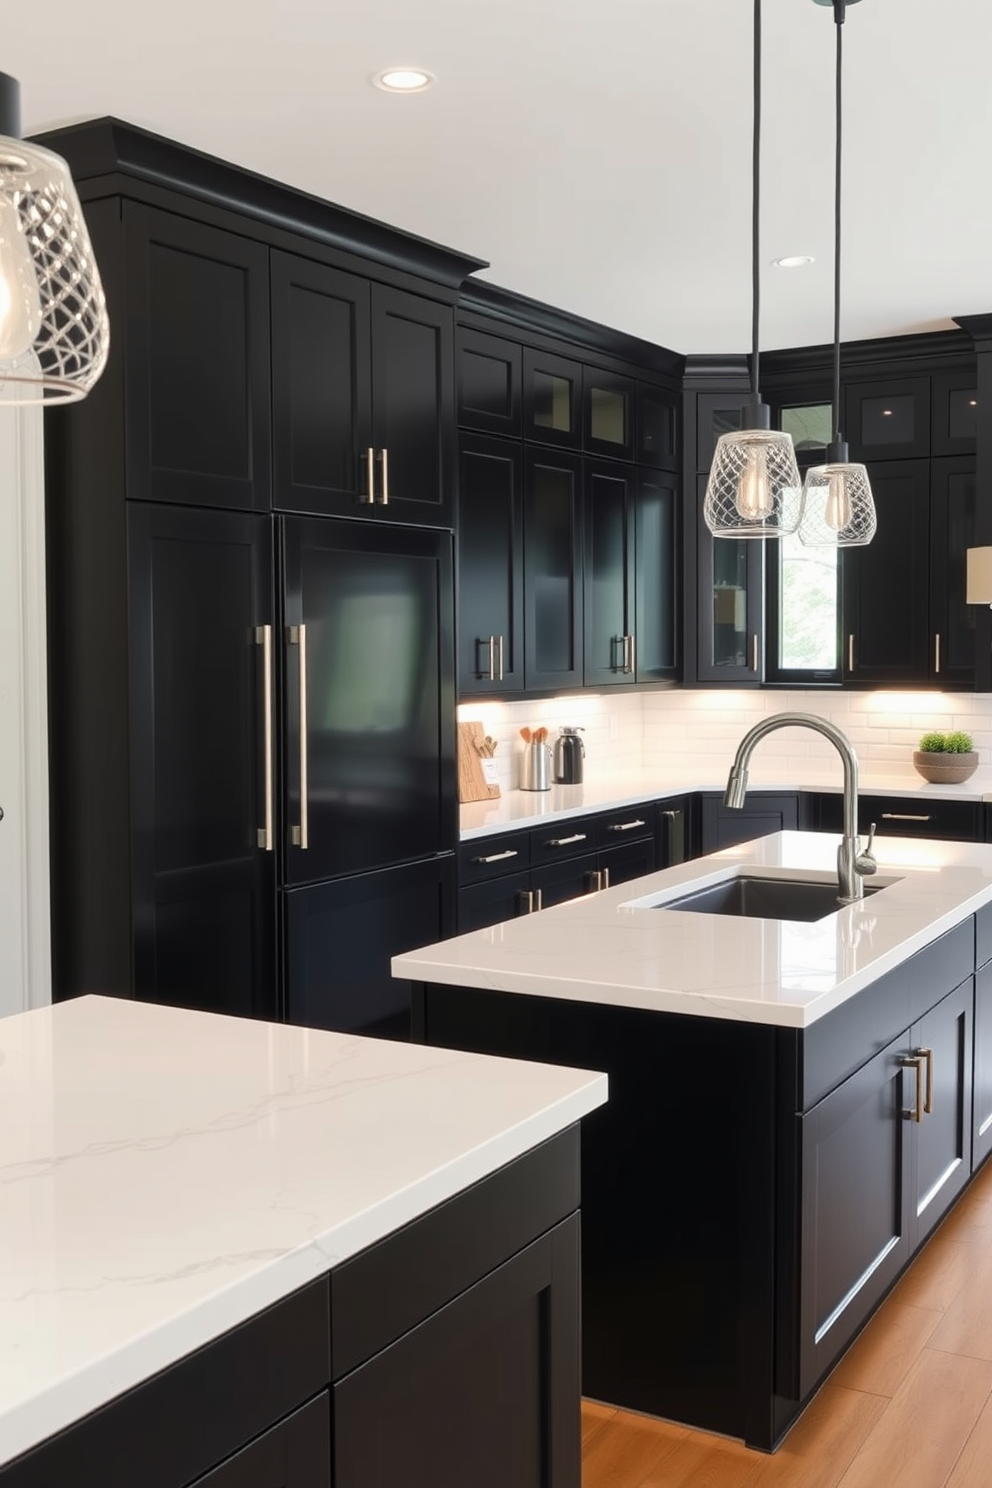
755 198
838 437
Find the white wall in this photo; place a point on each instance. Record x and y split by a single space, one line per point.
25 958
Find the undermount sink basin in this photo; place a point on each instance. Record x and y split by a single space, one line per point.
765 898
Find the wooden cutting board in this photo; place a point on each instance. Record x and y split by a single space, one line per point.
472 784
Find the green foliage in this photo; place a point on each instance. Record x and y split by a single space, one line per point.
957 742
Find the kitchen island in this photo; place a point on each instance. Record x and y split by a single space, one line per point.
243 1253
793 1107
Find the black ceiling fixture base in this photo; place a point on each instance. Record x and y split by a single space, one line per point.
10 107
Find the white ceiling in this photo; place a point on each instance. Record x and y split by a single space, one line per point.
597 152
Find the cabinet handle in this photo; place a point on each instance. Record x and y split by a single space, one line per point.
511 852
500 640
927 1055
850 653
633 654
384 457
566 841
599 879
540 902
629 826
263 638
526 897
369 497
616 641
671 814
605 875
626 654
915 1061
903 816
492 658
754 652
936 653
300 836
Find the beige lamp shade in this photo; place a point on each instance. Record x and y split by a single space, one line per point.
979 576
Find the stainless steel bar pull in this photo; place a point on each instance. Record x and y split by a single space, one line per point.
915 1061
384 457
500 640
629 826
936 653
300 835
492 658
368 496
263 638
850 653
754 653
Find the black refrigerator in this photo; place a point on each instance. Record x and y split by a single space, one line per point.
284 806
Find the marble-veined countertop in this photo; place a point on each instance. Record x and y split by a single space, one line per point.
164 1175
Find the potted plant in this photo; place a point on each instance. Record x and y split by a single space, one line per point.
946 759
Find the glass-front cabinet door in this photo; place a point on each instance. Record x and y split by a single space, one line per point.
552 399
730 633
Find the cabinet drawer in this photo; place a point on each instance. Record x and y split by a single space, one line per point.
493 901
562 839
906 816
484 858
624 826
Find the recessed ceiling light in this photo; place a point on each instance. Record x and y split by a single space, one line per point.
404 80
794 261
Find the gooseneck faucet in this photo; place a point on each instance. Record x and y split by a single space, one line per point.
853 865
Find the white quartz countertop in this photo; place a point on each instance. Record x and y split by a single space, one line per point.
616 948
605 791
165 1174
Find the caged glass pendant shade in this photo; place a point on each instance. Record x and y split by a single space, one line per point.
54 332
838 509
754 488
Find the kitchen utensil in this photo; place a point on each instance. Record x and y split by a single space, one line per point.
569 754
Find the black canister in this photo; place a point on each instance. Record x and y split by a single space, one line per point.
569 754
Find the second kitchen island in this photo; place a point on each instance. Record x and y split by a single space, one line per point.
794 1106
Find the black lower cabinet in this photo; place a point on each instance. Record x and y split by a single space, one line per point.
341 935
900 816
982 1126
485 904
763 814
294 1454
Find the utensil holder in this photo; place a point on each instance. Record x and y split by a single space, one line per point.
536 774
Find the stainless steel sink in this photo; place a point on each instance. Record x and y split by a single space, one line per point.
765 898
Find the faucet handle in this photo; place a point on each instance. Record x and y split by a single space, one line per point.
865 862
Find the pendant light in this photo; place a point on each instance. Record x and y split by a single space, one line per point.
754 489
838 509
54 333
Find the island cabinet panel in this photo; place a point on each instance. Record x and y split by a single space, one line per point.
764 813
294 1454
941 1088
982 1122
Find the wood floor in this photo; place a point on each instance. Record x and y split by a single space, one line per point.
909 1406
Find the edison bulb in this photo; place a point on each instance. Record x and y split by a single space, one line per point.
20 306
837 509
754 499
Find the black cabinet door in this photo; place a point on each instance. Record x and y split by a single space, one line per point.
617 865
198 423
202 866
608 574
608 401
490 567
657 592
982 1132
413 403
888 419
504 898
764 814
941 1042
489 372
485 1392
730 623
369 696
569 879
886 586
552 570
340 936
552 399
656 428
321 388
294 1454
953 489
954 428
856 1210
675 835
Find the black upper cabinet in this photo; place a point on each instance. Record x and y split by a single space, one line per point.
657 592
955 413
202 856
716 414
369 705
489 374
730 625
552 399
552 569
886 638
362 396
888 419
490 566
608 405
953 492
656 427
198 423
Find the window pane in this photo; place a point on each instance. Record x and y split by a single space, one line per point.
809 425
808 639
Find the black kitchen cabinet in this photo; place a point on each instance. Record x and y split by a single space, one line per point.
294 1454
888 419
203 854
764 813
954 425
900 816
677 830
489 380
886 587
940 1087
656 426
362 396
630 566
552 399
552 570
982 1121
608 404
504 898
341 935
369 703
197 427
730 624
490 566
953 492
